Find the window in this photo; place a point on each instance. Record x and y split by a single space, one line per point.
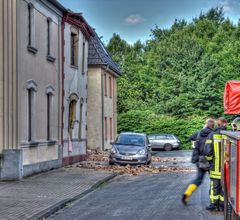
113 87
83 57
30 8
72 116
105 84
74 49
49 39
161 137
110 86
49 97
31 89
30 114
111 128
80 121
151 137
50 93
48 35
31 29
106 128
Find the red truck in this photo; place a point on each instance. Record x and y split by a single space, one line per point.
231 154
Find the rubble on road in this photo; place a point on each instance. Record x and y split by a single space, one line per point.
97 155
132 170
98 160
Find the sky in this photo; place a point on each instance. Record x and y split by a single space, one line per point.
134 19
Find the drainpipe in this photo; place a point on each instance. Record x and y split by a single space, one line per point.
102 97
105 69
63 61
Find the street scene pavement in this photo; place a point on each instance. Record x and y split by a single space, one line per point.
35 196
145 196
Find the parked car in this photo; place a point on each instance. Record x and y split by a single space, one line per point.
164 141
130 148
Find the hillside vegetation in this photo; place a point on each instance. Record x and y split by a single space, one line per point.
174 80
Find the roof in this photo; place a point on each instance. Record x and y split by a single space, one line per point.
133 133
98 55
58 5
79 21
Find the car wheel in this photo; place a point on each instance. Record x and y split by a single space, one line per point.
149 162
110 163
168 147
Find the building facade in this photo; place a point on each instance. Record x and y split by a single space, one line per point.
30 68
8 93
102 96
76 34
58 88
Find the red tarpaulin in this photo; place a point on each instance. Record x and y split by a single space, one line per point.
232 97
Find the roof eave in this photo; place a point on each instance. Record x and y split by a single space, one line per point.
117 72
58 5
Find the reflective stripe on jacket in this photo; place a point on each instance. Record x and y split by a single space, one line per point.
212 152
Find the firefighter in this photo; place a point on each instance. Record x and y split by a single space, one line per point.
212 151
197 158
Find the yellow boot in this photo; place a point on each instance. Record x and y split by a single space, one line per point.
186 196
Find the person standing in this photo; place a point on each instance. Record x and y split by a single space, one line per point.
198 158
212 152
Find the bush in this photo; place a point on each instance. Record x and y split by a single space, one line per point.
150 123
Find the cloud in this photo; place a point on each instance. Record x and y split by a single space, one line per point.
134 19
230 5
226 6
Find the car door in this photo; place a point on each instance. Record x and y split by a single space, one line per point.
149 148
152 140
160 141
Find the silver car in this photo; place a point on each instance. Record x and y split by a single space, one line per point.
164 141
130 148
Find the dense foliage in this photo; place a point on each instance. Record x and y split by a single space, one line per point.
173 81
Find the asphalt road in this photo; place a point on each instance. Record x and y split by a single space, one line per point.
175 153
147 196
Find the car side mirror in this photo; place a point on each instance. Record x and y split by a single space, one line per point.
149 145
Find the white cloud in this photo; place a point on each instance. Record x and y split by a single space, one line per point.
134 19
226 6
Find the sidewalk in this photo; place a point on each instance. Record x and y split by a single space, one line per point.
40 194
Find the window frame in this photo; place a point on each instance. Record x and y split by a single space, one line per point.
110 86
31 90
111 128
74 47
106 128
80 118
30 112
105 84
83 57
49 97
31 29
50 92
49 39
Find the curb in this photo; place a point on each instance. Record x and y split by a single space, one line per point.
54 208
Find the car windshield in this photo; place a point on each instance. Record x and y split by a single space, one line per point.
126 139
